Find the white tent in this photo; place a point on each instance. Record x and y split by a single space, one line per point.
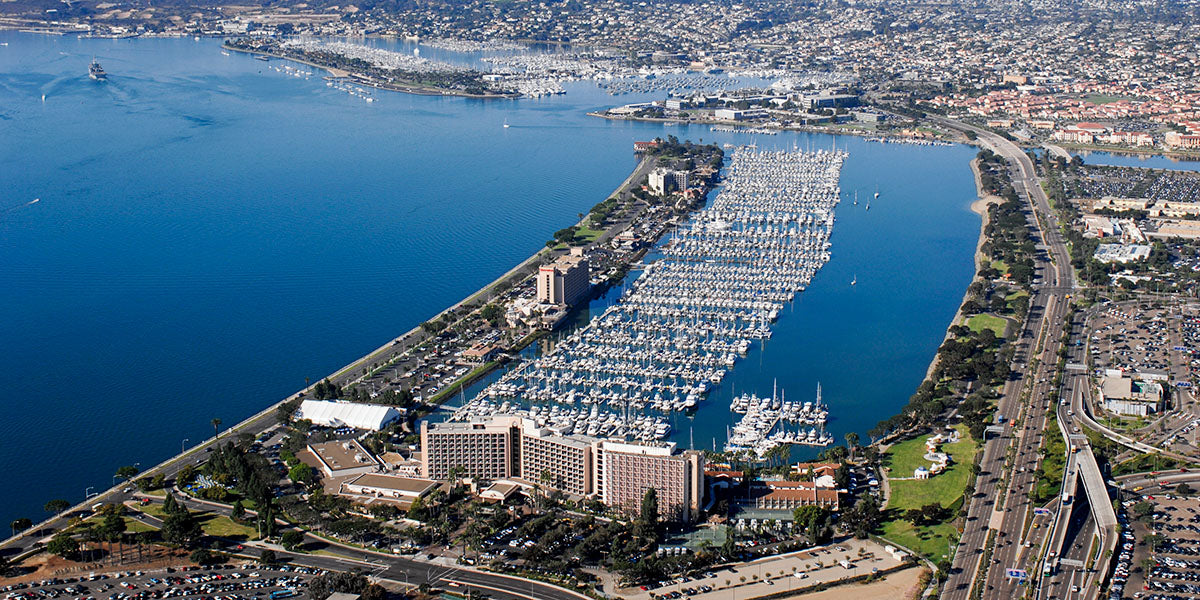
331 413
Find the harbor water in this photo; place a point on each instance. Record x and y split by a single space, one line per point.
195 237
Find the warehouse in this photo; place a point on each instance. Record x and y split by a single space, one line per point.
330 413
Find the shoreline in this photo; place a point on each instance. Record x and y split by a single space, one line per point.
891 139
980 207
336 73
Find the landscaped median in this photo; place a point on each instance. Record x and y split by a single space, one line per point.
932 534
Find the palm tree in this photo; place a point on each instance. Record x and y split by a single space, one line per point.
852 442
216 423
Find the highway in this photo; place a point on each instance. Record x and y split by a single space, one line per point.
1009 461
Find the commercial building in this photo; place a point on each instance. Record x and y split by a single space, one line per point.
333 413
565 281
516 449
625 471
404 490
1121 204
662 181
561 462
1127 396
345 458
1122 253
483 449
790 495
1176 209
1174 139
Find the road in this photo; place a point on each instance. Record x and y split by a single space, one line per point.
1008 462
398 570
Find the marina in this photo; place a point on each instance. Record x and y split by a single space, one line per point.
716 287
765 424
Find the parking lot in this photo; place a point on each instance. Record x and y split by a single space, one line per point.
1135 338
1159 555
220 582
775 574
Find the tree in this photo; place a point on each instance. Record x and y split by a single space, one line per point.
57 506
239 511
112 527
268 557
216 423
321 586
376 592
203 556
20 524
646 526
291 539
302 473
1184 489
813 521
852 443
180 528
170 504
127 472
63 545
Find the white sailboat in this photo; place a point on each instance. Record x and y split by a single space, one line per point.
506 123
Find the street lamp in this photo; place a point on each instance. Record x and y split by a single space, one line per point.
183 444
87 493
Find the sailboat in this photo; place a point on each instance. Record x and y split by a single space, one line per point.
855 197
876 191
868 205
506 123
854 281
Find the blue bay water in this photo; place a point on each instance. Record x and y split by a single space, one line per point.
1149 161
210 232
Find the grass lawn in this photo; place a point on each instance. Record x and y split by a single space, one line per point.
220 526
212 524
154 510
932 541
945 489
980 322
587 234
1000 265
1103 98
157 493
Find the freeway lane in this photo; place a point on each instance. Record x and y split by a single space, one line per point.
1048 308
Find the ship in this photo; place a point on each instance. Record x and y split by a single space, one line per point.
95 71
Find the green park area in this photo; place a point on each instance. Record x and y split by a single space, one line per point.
1104 98
983 321
212 524
945 489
